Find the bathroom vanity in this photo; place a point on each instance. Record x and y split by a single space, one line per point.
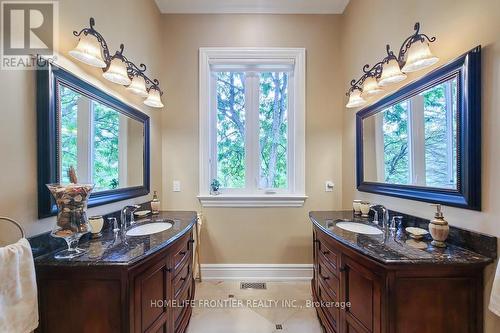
391 283
123 283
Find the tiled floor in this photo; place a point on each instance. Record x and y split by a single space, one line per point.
253 311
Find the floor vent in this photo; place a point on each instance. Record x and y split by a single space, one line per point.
253 285
279 326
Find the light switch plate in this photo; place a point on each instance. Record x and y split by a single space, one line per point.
176 186
329 186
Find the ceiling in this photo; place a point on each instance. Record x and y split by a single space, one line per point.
252 6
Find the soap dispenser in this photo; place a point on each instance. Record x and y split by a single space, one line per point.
439 228
155 204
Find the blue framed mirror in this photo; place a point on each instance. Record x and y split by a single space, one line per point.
104 139
424 141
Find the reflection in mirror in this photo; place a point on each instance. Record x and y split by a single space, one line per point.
414 141
105 146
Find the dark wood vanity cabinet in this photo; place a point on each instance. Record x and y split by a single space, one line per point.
402 298
146 297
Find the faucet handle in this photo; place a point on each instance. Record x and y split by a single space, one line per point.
115 223
375 214
396 222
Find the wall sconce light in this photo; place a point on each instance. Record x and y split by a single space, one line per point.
414 54
154 99
355 99
138 86
371 87
93 50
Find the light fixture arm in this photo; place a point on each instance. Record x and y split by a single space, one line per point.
132 69
376 70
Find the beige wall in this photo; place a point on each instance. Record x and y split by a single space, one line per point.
257 235
136 23
458 26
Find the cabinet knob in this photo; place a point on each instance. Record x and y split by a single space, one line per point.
191 241
326 252
342 269
325 277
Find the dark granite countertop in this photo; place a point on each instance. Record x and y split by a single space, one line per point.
395 247
118 249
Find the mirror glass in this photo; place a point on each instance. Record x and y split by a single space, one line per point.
105 147
414 140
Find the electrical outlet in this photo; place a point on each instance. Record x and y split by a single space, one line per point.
329 186
176 186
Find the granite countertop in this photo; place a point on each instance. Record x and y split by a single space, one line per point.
118 249
393 247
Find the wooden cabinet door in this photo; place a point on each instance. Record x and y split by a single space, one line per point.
151 292
363 290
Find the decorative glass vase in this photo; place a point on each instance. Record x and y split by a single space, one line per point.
72 221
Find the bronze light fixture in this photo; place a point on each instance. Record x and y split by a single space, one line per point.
414 54
93 50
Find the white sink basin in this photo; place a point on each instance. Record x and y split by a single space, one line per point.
359 228
148 229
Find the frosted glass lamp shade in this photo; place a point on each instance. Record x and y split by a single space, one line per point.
391 73
88 51
154 99
419 57
355 99
117 72
138 86
371 87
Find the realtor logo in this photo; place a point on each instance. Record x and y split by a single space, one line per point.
29 30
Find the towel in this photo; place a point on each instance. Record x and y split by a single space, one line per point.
494 305
18 292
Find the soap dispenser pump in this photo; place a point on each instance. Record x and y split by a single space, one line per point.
439 228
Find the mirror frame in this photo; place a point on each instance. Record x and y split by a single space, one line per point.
468 193
47 79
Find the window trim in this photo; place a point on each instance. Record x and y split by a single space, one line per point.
208 56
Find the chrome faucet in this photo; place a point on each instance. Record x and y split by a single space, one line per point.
130 210
385 215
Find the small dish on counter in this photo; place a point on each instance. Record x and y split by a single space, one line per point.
416 233
142 213
416 244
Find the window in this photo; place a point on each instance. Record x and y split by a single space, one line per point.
101 143
419 139
252 118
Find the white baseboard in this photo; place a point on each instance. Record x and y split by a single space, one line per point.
262 272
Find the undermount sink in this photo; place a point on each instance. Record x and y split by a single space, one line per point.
359 228
149 229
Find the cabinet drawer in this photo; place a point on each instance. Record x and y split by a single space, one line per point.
330 254
182 304
330 281
182 279
182 253
332 313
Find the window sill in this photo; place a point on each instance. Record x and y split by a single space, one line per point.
275 200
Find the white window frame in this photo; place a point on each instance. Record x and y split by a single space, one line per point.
253 197
416 140
85 143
